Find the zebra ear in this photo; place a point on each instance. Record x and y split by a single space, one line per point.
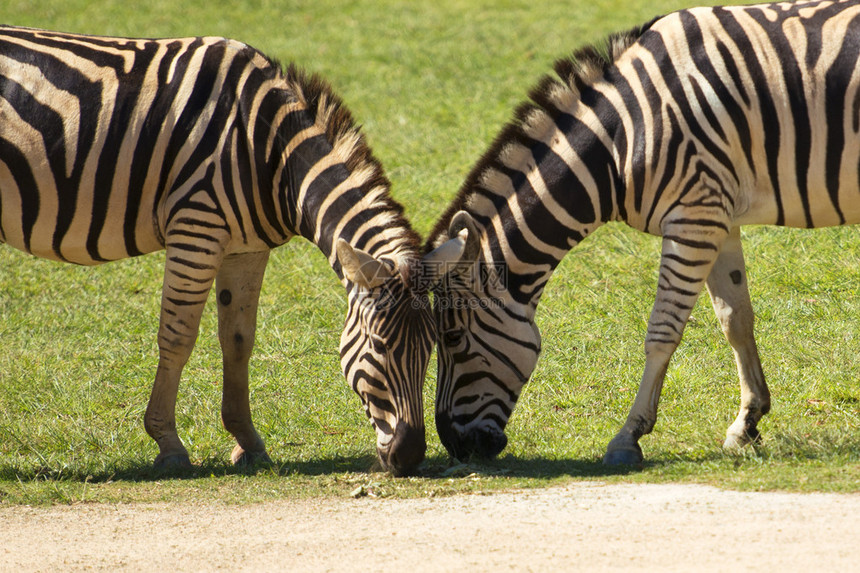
449 252
360 267
459 251
460 222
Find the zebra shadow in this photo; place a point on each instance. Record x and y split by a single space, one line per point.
142 470
542 467
436 467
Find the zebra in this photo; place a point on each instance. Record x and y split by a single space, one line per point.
203 147
687 127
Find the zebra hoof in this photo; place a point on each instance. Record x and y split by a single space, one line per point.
735 442
243 458
172 462
628 456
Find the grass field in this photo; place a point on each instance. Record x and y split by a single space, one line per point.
431 85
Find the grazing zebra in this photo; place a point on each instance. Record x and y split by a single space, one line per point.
112 148
688 128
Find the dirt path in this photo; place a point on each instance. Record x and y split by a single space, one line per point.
585 526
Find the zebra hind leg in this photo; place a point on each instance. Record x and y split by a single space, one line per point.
238 291
727 285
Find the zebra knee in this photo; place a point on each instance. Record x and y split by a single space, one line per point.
737 325
237 346
175 348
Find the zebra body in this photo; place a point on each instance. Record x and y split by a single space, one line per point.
113 147
688 128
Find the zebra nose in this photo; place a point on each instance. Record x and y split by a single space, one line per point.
484 441
405 451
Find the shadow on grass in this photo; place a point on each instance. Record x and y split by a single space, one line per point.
144 471
782 448
549 468
433 468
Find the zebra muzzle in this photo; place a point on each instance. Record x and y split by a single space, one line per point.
405 451
486 441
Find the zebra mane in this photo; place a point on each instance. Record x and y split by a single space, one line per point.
588 63
328 110
551 96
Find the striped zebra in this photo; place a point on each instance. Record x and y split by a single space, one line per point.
112 148
688 127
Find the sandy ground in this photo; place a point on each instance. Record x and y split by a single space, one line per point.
581 527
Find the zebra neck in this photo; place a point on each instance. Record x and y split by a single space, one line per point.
317 177
332 196
538 201
519 261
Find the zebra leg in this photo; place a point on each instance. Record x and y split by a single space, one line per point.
684 265
188 277
238 291
727 285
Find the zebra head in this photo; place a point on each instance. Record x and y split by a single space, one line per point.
385 349
488 344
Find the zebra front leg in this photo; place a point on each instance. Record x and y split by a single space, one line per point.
684 266
188 276
727 285
624 448
238 291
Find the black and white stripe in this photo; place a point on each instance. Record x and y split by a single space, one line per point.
112 148
688 128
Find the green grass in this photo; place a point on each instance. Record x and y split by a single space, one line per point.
432 85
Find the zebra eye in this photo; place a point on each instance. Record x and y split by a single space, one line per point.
453 337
